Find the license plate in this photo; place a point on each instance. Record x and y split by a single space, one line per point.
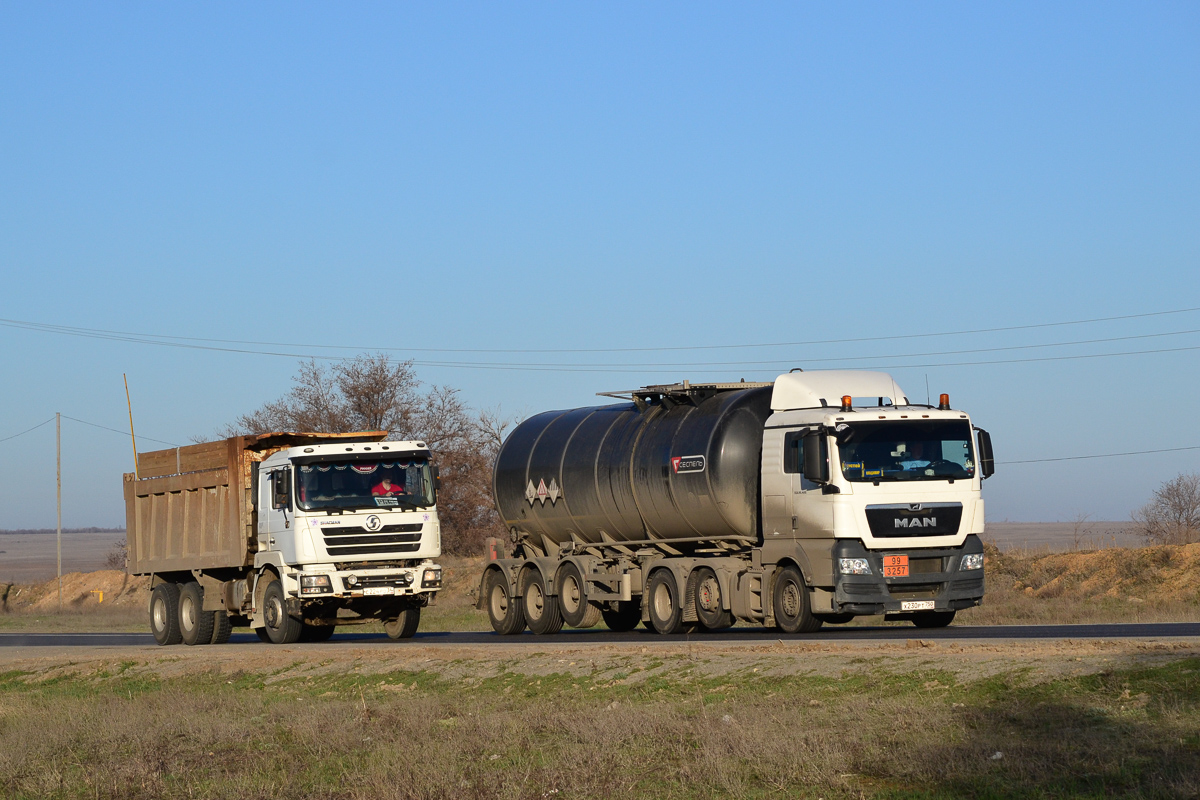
916 605
373 590
895 566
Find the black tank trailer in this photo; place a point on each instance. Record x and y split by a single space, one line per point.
653 511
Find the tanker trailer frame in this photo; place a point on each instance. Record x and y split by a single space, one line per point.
811 499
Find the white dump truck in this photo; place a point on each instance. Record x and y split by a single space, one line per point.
291 534
815 498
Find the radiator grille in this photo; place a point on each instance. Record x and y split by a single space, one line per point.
358 541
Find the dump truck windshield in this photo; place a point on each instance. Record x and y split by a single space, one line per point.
406 483
906 451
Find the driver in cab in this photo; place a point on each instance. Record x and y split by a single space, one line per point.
386 488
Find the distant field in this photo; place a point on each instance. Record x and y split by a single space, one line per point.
31 557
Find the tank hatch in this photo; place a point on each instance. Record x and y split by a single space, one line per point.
678 393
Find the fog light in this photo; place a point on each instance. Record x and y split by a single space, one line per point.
315 584
972 561
351 580
854 566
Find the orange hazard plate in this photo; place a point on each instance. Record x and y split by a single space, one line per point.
895 566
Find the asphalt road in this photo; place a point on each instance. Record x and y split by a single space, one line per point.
735 636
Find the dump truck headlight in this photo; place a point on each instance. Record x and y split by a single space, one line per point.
315 584
854 566
972 561
433 578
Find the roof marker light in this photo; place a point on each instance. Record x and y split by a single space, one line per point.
944 402
846 403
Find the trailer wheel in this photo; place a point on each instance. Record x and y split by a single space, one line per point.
164 614
281 628
932 619
195 624
405 625
706 594
625 617
573 604
666 610
793 613
541 610
504 612
317 633
222 627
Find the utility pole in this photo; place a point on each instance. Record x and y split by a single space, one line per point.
58 453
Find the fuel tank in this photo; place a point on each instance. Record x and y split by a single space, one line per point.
674 469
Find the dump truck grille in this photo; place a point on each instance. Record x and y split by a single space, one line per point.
341 542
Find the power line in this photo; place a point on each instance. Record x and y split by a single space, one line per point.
1104 455
29 430
115 430
180 341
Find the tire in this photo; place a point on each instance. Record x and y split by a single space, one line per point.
932 619
164 614
666 610
793 613
195 624
505 613
573 604
834 619
706 595
222 627
625 617
405 625
263 635
281 628
541 610
317 633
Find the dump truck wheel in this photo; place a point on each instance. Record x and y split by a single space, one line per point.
573 604
164 614
195 624
932 619
706 594
793 614
222 627
505 612
263 635
281 628
541 610
666 608
405 625
625 617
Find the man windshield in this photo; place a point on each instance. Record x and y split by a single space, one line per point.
906 451
364 484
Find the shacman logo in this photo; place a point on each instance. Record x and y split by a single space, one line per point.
917 522
687 464
373 523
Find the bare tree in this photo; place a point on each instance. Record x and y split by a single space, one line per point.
373 392
1173 515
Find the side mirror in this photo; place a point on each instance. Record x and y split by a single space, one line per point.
987 463
437 479
281 481
816 457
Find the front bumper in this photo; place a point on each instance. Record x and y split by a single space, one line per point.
934 577
426 578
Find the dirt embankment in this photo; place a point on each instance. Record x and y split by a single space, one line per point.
80 590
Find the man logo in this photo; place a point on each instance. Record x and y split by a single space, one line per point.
914 506
373 523
917 522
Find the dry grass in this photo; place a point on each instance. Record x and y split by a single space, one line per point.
671 732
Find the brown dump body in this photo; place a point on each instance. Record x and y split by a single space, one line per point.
192 507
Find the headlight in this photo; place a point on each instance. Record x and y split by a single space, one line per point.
854 566
972 561
433 577
315 584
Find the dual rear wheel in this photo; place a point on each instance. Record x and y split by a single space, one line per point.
177 615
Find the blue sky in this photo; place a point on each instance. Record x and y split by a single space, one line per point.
604 177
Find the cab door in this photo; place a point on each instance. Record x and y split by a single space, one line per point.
276 526
811 509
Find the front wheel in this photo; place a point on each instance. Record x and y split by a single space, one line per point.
164 614
405 625
504 612
793 613
317 633
932 619
281 627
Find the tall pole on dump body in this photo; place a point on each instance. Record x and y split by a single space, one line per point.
132 436
58 458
